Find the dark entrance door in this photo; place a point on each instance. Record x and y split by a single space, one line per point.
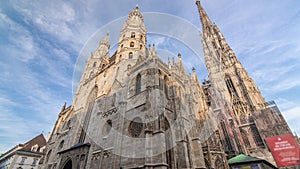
68 165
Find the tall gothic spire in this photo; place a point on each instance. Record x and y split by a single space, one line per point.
203 16
231 80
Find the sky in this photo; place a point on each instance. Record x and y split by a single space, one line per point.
43 45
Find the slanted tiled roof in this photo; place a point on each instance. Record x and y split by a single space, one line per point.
39 140
242 158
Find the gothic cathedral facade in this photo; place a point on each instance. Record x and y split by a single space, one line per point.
132 110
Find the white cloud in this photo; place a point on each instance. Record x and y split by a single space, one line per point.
22 45
292 116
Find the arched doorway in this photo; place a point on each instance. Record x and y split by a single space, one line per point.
68 165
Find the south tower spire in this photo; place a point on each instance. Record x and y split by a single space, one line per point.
229 78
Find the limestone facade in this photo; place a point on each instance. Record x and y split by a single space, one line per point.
132 110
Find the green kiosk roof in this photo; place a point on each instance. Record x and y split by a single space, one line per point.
242 158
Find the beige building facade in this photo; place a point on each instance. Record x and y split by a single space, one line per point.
24 156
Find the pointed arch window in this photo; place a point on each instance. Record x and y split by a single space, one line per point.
132 34
61 145
95 64
166 86
245 138
243 118
138 84
128 67
92 73
130 56
107 127
256 136
230 86
131 44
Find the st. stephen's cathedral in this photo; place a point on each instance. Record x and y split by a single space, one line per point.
133 111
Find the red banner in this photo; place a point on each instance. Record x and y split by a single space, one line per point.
285 150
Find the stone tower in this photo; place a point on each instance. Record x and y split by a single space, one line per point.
130 110
228 77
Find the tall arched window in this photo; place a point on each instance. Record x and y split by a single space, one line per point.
245 138
130 55
138 84
166 85
256 136
92 73
128 67
230 86
243 119
132 34
131 44
107 127
61 145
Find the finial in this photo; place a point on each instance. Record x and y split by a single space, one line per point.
136 6
64 107
194 69
173 60
179 55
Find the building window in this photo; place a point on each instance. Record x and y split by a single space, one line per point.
128 67
131 44
34 148
135 127
243 119
68 124
245 138
166 86
95 64
256 136
92 74
141 46
122 46
107 127
22 160
35 161
138 84
61 145
230 86
132 34
130 55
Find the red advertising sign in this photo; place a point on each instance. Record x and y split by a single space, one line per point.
285 150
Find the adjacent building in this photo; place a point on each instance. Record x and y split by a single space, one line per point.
24 156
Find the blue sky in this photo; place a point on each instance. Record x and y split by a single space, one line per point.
41 40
